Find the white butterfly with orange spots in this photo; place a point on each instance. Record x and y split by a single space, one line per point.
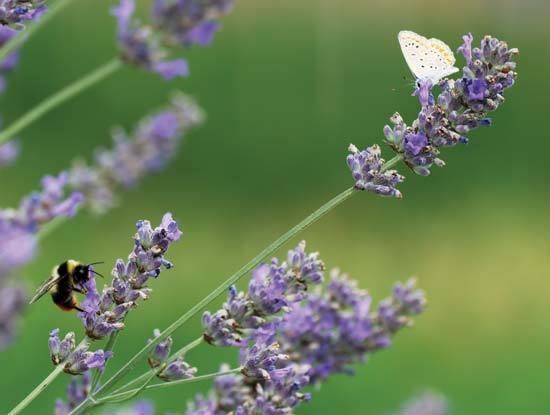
427 58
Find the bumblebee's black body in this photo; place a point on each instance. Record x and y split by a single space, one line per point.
66 278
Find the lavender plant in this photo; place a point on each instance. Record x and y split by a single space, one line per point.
145 151
288 335
175 23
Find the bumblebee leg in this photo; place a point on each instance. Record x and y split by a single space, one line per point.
80 290
78 308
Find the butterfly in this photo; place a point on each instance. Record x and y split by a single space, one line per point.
427 58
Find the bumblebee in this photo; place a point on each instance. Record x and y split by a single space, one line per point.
66 278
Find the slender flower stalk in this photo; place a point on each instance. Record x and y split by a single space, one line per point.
58 98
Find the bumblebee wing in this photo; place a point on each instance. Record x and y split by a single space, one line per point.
45 287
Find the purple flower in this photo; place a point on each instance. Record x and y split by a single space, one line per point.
161 351
415 143
176 370
12 302
466 48
271 290
263 360
330 331
147 150
14 12
82 360
8 151
104 313
189 22
367 169
60 349
140 46
424 92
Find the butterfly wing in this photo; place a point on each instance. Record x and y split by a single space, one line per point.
427 58
45 287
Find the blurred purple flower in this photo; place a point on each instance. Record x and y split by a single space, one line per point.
189 22
12 301
177 22
147 150
60 350
8 151
78 389
161 351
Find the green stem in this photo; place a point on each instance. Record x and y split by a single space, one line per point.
314 217
132 392
32 28
60 97
108 347
392 162
36 391
41 386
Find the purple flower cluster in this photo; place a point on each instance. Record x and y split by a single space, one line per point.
272 288
241 395
462 105
330 331
104 314
289 340
147 150
15 12
367 168
180 22
176 369
75 361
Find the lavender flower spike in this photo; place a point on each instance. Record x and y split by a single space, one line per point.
60 350
140 45
462 106
190 22
104 313
81 360
147 150
366 169
272 289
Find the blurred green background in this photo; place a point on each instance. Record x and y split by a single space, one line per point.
287 85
